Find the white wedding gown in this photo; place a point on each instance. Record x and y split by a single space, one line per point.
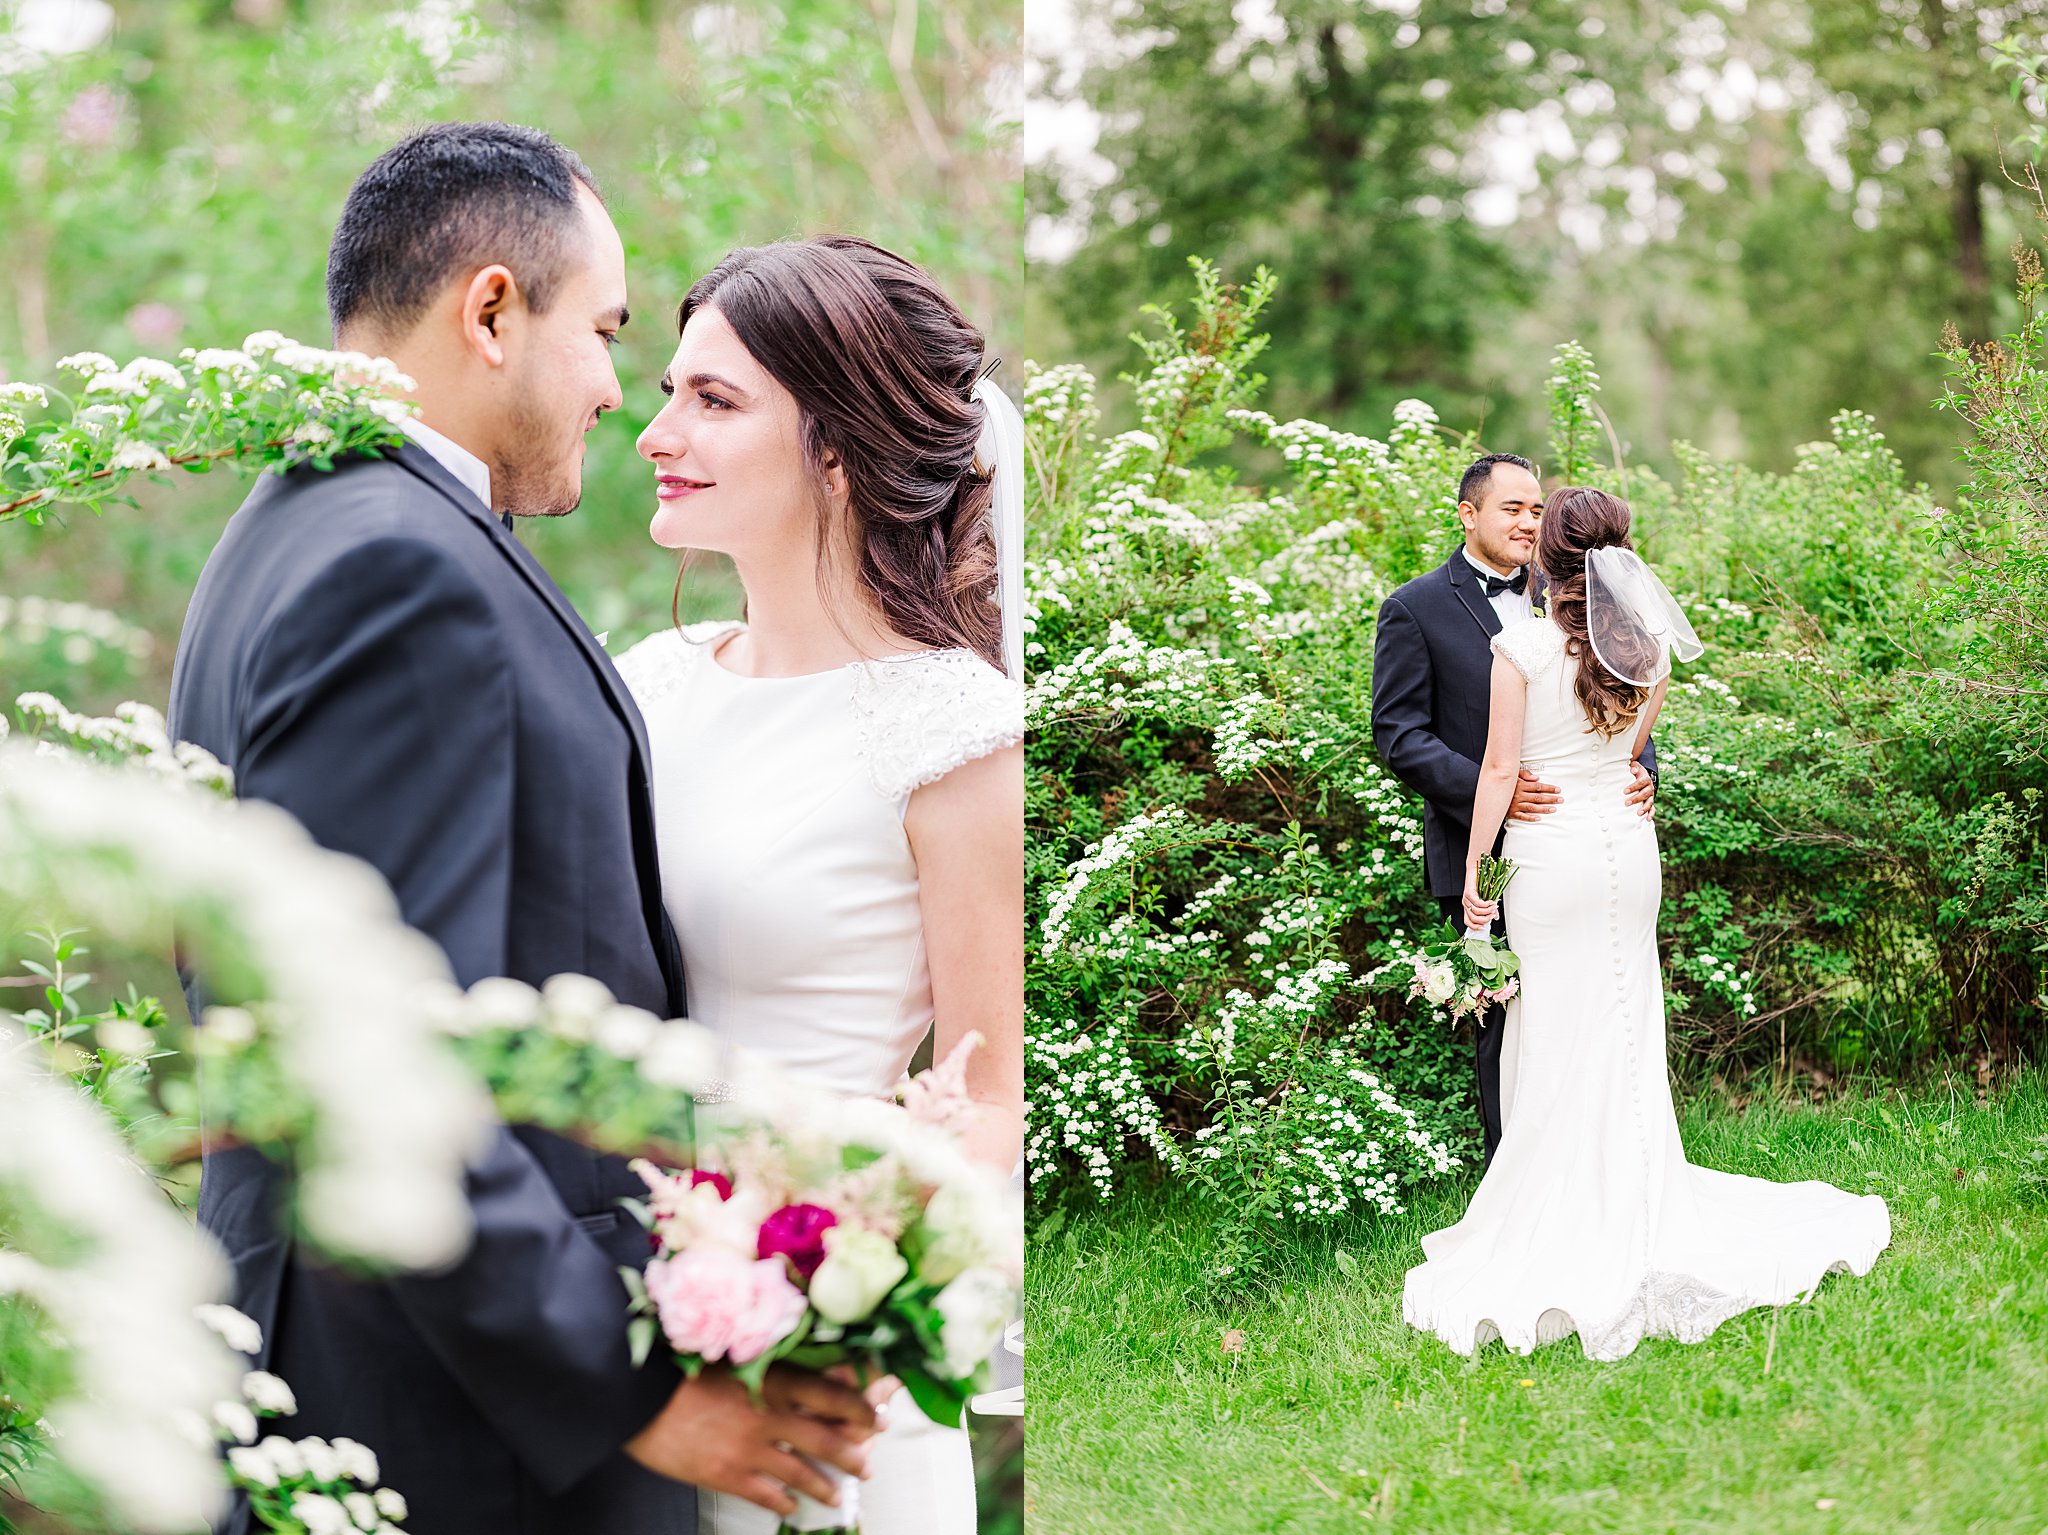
778 811
1590 1219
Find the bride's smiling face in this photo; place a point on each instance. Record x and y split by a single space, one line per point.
729 467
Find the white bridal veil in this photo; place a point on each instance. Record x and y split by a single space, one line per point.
1634 622
1002 450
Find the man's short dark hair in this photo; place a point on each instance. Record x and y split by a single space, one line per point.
1472 485
450 198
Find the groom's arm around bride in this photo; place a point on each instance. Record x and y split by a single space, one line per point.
1432 686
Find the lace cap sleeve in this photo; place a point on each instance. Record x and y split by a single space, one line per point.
659 663
1533 645
919 717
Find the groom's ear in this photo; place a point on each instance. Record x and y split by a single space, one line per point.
491 297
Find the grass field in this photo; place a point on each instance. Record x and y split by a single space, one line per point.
1912 1399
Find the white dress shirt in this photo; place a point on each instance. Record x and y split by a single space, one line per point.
1509 607
472 471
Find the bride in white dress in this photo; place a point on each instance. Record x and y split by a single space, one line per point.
1590 1219
838 782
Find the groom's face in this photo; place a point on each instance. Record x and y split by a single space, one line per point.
561 376
1501 527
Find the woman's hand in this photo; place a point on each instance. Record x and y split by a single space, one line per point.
1478 914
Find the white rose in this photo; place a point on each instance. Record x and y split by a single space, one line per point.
1439 984
362 1508
975 1308
954 1240
861 1267
391 1504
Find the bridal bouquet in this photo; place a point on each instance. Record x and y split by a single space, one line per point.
836 1232
1469 972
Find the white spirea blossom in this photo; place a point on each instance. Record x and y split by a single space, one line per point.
135 736
236 1420
347 981
238 1331
253 1463
32 619
320 1514
1198 648
266 1393
139 456
119 1287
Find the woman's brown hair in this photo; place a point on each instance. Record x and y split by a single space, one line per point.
1576 519
883 367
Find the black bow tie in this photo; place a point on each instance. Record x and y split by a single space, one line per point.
1518 582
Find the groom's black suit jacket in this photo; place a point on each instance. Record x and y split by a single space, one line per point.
373 651
1432 692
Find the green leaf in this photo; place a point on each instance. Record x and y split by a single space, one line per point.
944 1402
636 1284
640 1338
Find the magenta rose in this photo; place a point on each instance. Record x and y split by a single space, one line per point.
718 1181
797 1232
714 1303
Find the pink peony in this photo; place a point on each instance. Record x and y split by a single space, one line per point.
716 1304
797 1232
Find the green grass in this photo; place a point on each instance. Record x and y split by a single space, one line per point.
1914 1398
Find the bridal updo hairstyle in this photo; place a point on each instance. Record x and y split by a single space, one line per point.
883 367
1577 519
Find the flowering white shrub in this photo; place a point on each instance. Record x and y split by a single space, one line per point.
309 1486
337 987
1200 654
1224 882
99 1280
270 402
135 735
79 630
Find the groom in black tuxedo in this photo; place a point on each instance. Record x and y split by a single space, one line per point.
1432 670
373 650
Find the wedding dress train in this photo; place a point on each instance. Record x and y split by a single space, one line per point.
1590 1219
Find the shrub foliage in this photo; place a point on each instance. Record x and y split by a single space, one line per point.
1223 878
